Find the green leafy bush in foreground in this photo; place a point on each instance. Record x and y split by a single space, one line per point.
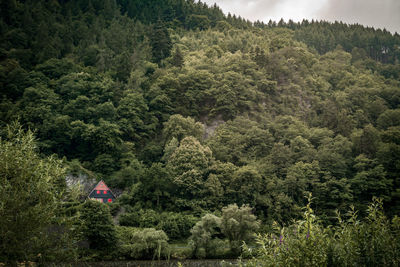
372 242
236 224
33 225
98 227
175 225
147 243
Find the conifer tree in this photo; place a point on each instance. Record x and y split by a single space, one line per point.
160 42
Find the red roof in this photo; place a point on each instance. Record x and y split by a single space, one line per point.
101 186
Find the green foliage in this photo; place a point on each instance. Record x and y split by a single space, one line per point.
238 225
173 12
188 110
156 185
247 183
180 127
389 118
131 172
176 225
177 58
160 42
301 178
325 36
372 242
140 218
240 141
97 226
145 243
32 190
132 110
369 181
305 243
200 22
202 239
188 165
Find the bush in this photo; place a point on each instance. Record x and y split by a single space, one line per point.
203 239
147 243
141 218
175 225
114 208
302 244
238 225
34 224
373 242
98 227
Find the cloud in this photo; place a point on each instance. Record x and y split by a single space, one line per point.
376 13
297 10
252 10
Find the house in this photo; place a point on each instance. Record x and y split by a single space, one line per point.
102 193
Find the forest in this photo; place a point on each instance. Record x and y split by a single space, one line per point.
275 141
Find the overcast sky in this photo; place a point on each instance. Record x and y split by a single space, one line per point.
376 13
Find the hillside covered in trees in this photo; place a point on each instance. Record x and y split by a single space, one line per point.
188 111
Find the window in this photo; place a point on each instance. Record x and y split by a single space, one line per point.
104 192
98 192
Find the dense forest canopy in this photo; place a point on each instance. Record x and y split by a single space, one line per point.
187 110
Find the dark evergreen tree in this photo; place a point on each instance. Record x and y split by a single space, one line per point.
160 42
177 58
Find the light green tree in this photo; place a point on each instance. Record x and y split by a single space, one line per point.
203 233
180 127
32 190
146 243
189 165
238 225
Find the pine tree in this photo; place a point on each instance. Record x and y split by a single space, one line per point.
160 42
177 59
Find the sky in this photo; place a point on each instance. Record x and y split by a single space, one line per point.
376 13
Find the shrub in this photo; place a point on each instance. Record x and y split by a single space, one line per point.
238 225
203 239
141 218
34 224
147 243
175 225
98 227
302 244
373 242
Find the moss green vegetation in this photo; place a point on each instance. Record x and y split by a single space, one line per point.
187 112
371 242
34 225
